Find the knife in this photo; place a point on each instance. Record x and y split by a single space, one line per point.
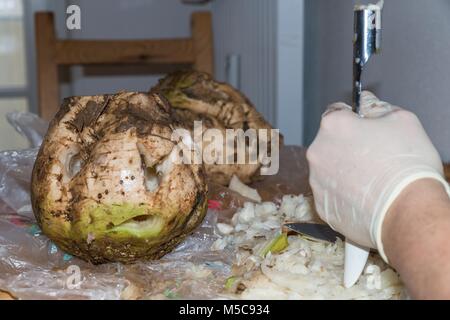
314 230
366 42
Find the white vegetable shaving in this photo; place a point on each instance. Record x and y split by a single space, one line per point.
269 265
244 190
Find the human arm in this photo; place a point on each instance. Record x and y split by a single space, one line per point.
360 168
416 236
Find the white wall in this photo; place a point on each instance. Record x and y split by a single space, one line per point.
248 28
268 37
290 70
413 70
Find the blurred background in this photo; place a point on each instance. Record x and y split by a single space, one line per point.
290 57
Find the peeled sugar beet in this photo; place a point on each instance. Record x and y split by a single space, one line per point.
105 185
196 96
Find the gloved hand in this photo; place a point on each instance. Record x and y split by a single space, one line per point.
360 165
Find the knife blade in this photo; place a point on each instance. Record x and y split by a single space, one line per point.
355 261
315 230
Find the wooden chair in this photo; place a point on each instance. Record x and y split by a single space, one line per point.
52 52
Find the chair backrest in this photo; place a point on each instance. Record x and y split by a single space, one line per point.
196 51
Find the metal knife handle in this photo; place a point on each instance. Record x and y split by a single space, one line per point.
366 42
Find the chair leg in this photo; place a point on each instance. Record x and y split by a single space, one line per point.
48 86
202 36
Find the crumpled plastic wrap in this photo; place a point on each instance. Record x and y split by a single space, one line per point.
15 177
28 125
32 267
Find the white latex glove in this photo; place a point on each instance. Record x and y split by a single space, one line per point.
360 165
